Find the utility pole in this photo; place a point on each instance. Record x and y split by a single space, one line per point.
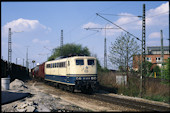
162 56
23 61
16 60
143 53
61 44
105 44
27 64
127 62
9 52
105 51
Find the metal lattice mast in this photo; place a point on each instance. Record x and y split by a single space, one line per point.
9 52
9 47
162 55
143 32
143 70
61 44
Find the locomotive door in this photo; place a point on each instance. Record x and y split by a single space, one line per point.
68 67
68 71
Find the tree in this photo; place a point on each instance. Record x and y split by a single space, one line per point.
68 49
148 66
122 51
167 70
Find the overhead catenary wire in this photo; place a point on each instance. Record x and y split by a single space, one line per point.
134 16
118 15
86 36
118 26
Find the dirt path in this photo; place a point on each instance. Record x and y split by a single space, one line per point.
83 102
50 99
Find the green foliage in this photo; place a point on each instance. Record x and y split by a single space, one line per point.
68 49
167 70
100 69
157 70
132 89
148 66
158 98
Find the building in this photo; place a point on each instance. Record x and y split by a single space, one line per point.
153 55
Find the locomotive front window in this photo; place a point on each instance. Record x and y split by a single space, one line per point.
90 62
79 62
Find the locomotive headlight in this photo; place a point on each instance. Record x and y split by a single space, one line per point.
78 78
93 78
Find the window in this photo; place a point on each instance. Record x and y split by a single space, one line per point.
158 59
61 64
64 64
90 62
79 62
48 66
148 59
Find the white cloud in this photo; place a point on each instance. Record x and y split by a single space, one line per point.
24 25
43 42
162 8
129 22
91 25
158 16
154 35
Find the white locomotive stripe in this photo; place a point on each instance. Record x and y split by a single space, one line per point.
59 82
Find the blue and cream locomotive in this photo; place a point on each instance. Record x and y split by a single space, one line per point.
76 72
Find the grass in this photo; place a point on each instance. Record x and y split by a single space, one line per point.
159 98
154 89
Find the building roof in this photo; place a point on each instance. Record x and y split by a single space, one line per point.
158 48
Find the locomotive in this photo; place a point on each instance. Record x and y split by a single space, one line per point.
75 72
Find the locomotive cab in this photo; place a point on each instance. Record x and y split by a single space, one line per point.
85 71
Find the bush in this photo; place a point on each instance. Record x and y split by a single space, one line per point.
167 71
157 70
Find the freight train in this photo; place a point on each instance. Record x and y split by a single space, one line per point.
70 73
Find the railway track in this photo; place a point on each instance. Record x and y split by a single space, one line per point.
138 105
130 103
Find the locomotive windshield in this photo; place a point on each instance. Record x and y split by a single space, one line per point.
90 62
79 62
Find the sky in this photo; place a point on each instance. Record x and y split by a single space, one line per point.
37 26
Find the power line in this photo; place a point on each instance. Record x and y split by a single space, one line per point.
118 15
118 26
86 36
157 14
134 16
